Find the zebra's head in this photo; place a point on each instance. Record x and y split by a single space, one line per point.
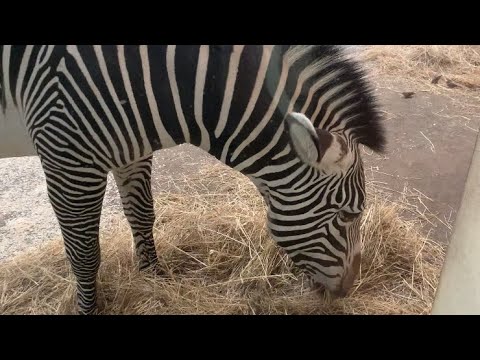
316 216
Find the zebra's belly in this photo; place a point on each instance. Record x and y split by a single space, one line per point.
14 139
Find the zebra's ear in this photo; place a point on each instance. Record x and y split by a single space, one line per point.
315 147
303 137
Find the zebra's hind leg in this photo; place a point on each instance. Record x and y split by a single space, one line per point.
76 196
134 184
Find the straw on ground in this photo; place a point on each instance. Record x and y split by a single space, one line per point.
218 259
438 66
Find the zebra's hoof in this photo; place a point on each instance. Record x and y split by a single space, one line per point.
152 268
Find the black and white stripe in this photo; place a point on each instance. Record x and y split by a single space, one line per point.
291 118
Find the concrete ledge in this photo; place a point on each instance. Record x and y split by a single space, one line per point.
458 292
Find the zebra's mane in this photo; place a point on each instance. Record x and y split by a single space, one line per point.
357 109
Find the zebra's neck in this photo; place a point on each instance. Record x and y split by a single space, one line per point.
264 152
237 104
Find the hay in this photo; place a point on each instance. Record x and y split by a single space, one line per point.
219 259
454 67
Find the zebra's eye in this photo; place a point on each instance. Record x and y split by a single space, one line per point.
347 216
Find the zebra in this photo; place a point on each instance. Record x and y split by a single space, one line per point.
292 118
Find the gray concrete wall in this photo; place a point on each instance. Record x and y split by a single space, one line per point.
458 292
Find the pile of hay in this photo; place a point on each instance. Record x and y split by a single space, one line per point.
458 63
219 259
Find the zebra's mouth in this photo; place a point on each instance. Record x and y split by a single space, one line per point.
321 290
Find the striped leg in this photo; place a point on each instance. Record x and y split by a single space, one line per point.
76 197
134 185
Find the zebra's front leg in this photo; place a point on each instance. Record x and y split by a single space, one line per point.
76 197
134 184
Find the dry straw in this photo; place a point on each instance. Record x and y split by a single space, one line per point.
218 259
448 66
